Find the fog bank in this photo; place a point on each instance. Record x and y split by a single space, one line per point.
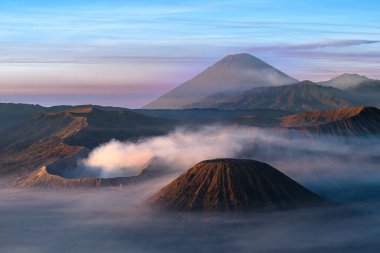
336 162
117 220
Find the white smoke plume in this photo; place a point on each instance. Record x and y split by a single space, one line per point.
180 150
183 148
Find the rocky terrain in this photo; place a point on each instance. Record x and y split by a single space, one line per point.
54 136
233 185
356 121
298 97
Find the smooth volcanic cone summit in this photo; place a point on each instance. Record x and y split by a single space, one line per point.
233 185
234 73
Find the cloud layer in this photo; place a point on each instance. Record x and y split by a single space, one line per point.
308 160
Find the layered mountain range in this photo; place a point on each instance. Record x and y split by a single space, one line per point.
244 82
58 139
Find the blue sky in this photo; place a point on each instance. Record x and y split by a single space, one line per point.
128 52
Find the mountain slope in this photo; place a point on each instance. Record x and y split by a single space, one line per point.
234 73
357 121
367 92
103 126
13 114
303 96
233 185
49 137
364 90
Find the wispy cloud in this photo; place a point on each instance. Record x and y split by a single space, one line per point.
118 42
313 45
331 44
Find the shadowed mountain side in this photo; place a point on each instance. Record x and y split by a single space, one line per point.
303 96
233 185
193 118
368 92
12 114
211 114
49 137
233 73
356 121
103 126
38 141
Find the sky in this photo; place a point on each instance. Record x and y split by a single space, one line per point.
126 53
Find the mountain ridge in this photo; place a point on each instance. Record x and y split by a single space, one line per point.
358 121
233 73
301 96
52 136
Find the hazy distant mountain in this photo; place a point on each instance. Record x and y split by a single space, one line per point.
232 74
233 185
367 92
303 96
364 90
345 81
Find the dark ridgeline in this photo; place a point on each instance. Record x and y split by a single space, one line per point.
233 185
49 137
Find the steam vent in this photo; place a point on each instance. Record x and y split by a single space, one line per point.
233 185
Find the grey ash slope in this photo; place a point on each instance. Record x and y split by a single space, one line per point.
233 185
234 73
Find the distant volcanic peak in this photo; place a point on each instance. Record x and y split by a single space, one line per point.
323 117
243 59
239 72
233 73
233 185
351 76
346 81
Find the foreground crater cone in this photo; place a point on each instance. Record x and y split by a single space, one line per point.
233 185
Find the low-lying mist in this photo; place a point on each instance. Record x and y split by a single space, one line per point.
119 220
337 162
